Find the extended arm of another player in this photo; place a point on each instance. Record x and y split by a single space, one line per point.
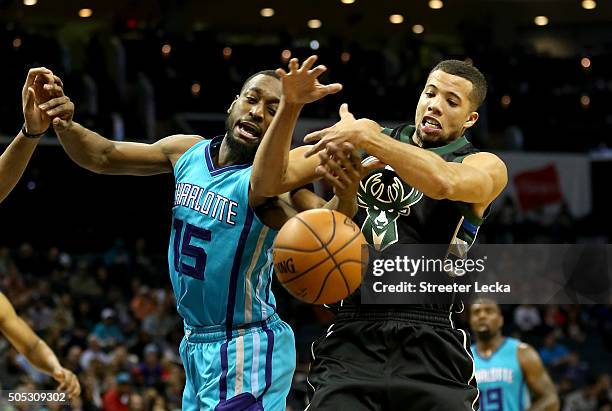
14 161
477 180
541 386
100 155
37 352
305 199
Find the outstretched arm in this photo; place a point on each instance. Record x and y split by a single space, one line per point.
101 155
13 162
477 180
275 169
15 158
541 386
38 353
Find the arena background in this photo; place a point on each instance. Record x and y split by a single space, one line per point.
76 247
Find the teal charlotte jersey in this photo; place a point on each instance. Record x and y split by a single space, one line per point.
218 254
500 379
237 352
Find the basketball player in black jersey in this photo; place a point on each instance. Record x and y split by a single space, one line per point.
435 189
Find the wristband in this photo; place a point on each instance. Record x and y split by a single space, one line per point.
28 135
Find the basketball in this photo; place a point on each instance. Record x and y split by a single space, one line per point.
317 256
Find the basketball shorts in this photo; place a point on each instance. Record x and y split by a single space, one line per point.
251 371
392 361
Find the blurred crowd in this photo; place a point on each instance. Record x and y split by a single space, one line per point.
111 318
134 82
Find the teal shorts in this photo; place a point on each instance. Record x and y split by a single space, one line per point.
248 368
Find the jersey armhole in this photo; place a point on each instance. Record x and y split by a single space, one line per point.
194 147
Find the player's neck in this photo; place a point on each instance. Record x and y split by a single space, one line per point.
486 348
221 157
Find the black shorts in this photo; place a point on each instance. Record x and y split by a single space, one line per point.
392 361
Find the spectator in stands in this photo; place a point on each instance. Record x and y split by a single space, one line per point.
150 372
93 353
576 369
527 317
584 399
554 354
117 398
107 331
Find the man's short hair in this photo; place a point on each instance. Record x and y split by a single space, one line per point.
470 73
271 73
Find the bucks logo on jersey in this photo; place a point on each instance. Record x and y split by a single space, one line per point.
385 198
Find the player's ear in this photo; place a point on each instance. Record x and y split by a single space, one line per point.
472 118
229 110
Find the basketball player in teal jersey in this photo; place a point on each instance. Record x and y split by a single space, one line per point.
237 353
13 162
507 370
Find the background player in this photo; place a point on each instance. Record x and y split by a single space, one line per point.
237 353
504 365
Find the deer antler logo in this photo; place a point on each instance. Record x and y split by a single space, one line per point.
384 197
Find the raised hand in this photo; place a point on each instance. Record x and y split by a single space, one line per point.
60 109
301 84
346 130
33 94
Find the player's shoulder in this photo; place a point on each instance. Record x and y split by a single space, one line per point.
176 145
526 354
484 156
179 142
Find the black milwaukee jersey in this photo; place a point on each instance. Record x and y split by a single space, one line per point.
392 212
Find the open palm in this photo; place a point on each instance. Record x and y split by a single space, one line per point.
301 84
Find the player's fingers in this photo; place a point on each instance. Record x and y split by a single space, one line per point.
32 73
353 155
44 78
317 71
59 110
315 149
55 89
307 65
30 98
59 124
333 88
58 81
315 135
345 113
324 172
342 158
323 157
293 65
280 72
74 388
54 102
63 383
333 165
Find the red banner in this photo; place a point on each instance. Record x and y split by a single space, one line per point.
538 187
